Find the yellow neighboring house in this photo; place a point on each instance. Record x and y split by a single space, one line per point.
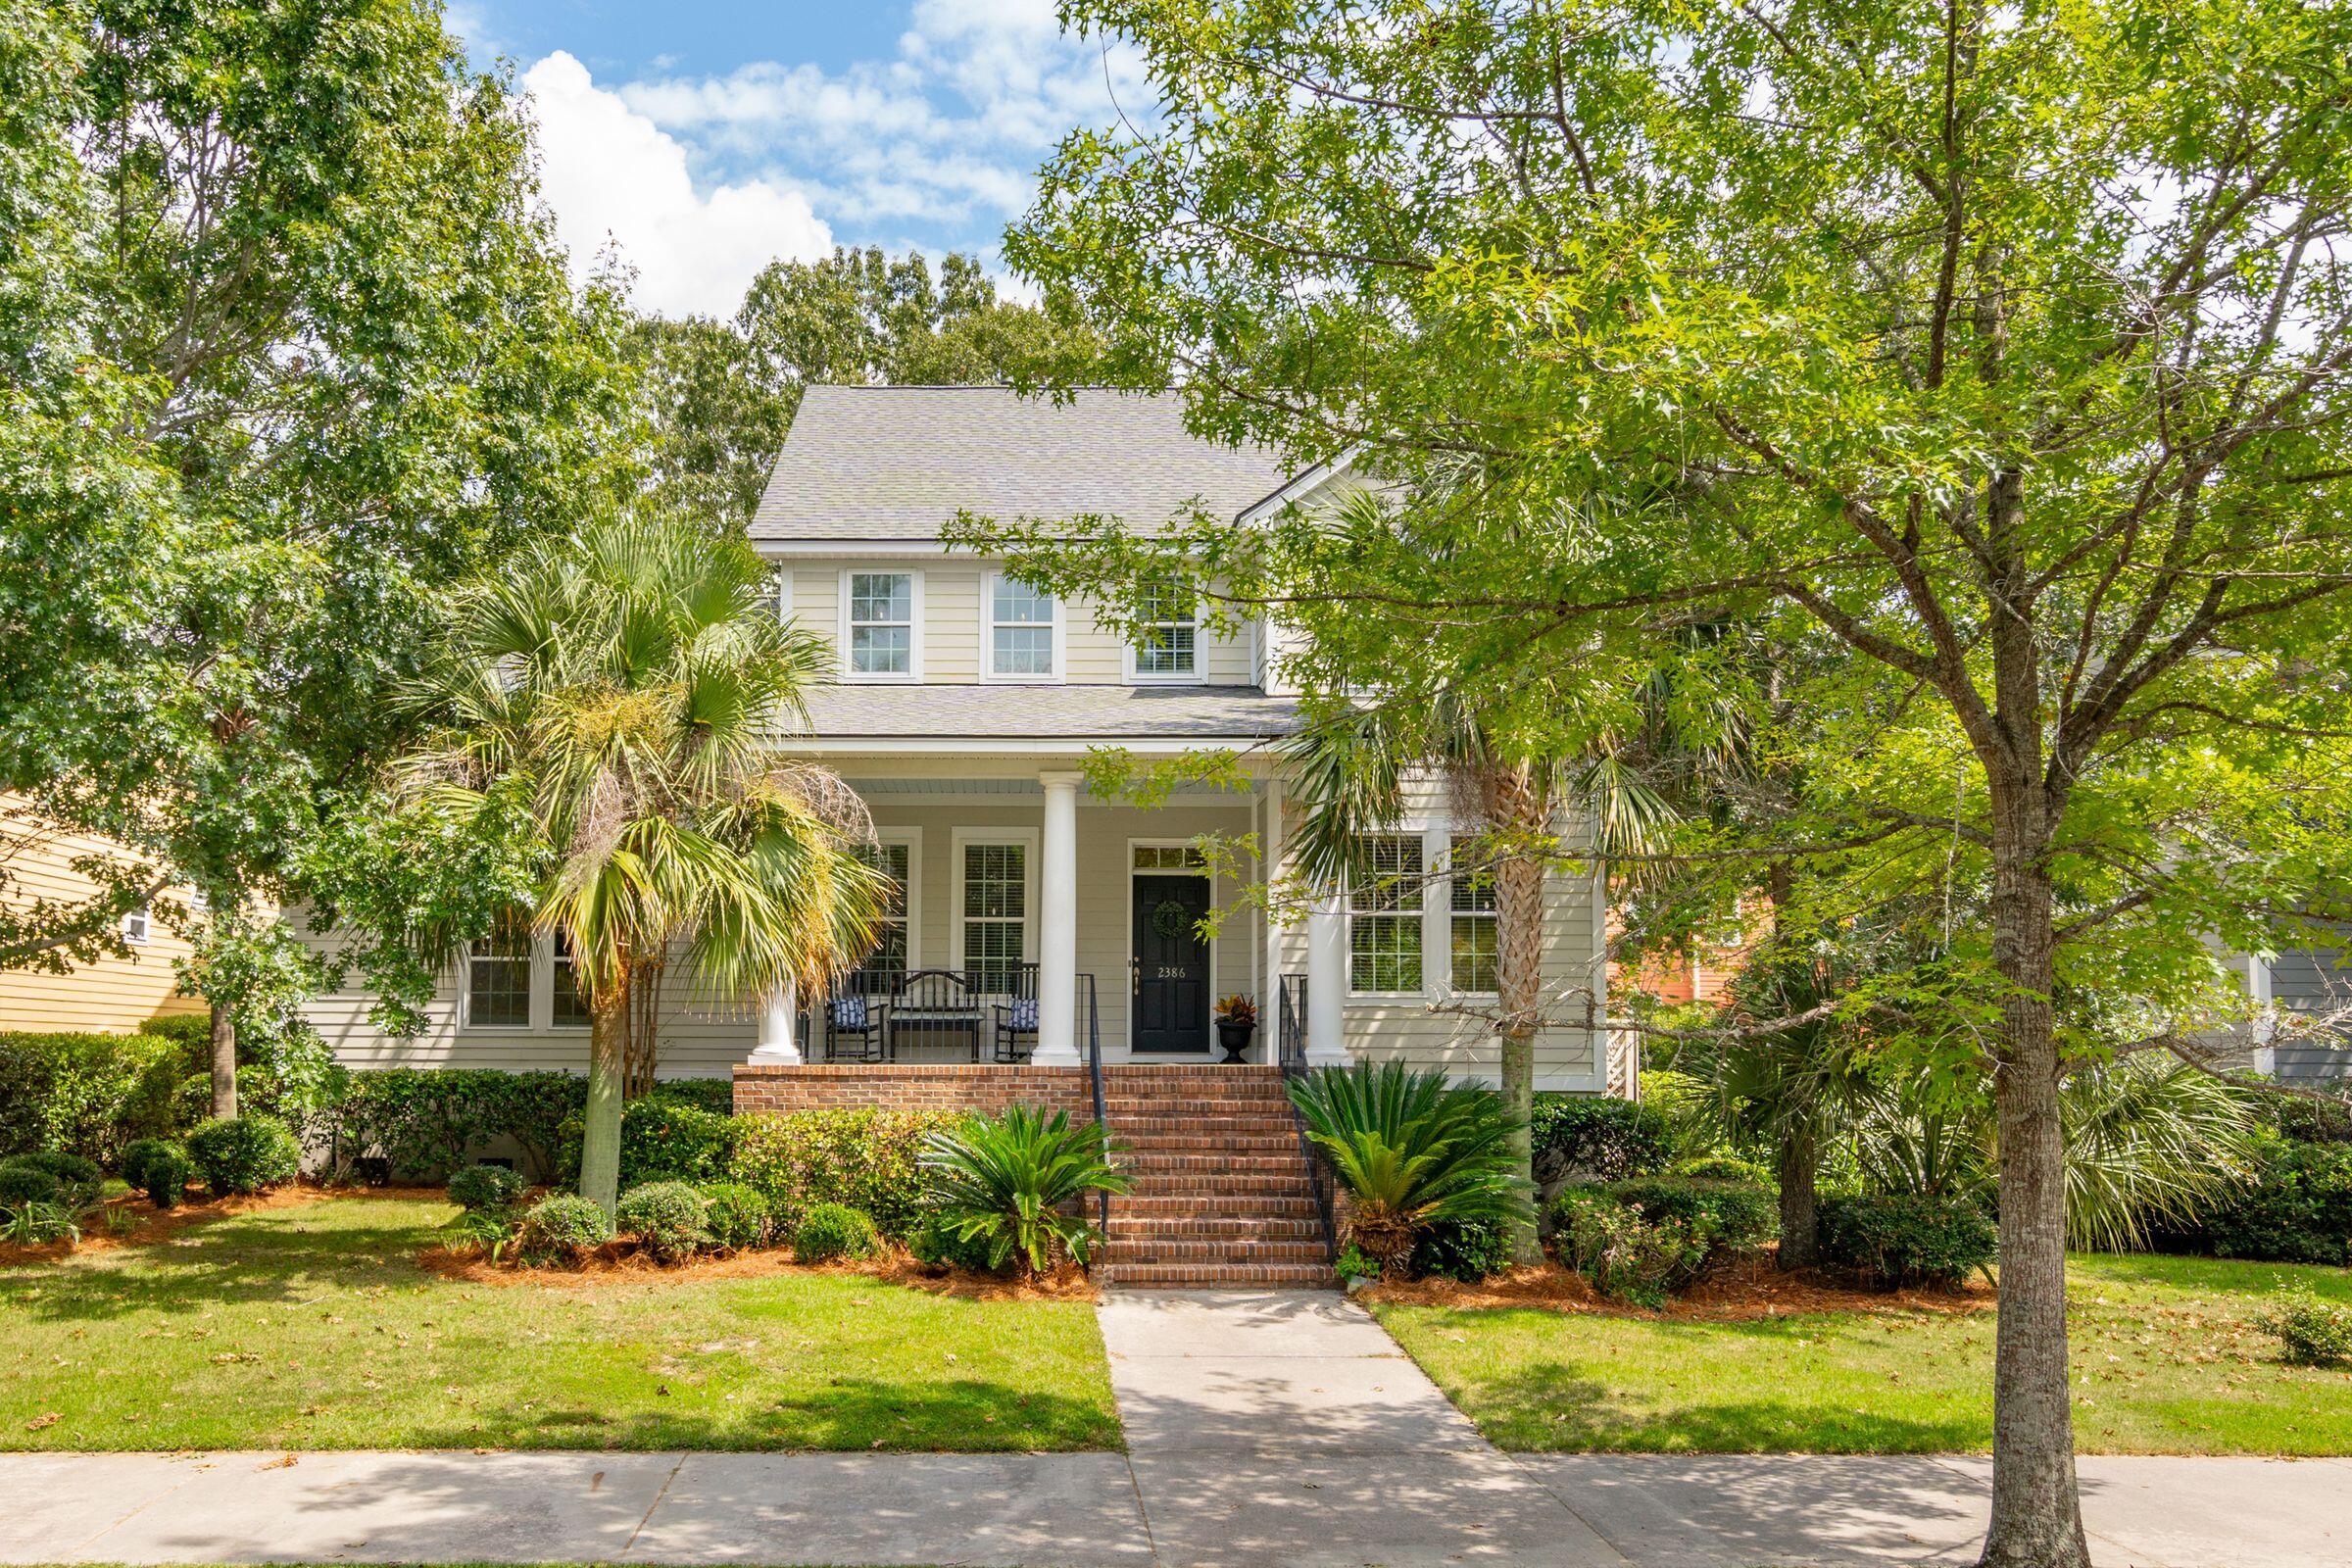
110 994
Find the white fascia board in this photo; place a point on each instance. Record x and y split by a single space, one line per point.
1300 488
1014 746
788 549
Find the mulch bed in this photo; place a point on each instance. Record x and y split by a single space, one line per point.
1750 1290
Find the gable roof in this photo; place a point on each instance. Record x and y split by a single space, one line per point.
899 461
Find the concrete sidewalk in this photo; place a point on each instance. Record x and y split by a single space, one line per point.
1268 1429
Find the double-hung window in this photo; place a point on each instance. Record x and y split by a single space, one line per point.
1471 931
137 925
886 964
1020 631
995 913
1385 915
775 594
1167 633
498 979
568 1008
879 617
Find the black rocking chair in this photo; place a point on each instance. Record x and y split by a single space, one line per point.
859 1017
1016 1017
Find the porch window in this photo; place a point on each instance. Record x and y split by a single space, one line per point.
775 594
1385 915
1167 632
569 1010
886 966
1472 917
1020 631
881 623
995 913
498 979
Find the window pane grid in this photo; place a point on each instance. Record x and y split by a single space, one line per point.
1167 642
1384 900
881 623
886 966
571 1007
996 910
499 982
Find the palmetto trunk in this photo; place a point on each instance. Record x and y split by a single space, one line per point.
1800 1216
224 1061
1521 815
607 1067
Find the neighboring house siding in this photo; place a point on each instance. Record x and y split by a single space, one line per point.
110 995
2313 980
954 629
1405 1028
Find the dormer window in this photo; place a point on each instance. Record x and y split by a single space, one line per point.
878 611
1024 627
1167 634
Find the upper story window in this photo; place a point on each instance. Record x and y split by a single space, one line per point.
879 630
137 925
1167 634
1023 632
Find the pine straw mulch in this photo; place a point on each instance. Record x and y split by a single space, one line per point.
621 1262
1749 1290
158 1225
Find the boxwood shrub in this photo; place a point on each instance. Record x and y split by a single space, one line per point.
1738 1217
561 1228
735 1216
90 1092
665 1217
1597 1138
1895 1240
831 1231
244 1155
160 1168
864 1158
479 1187
1626 1255
1468 1251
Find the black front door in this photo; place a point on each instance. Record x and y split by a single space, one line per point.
1171 963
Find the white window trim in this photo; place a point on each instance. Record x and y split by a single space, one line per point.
914 625
539 989
1431 886
543 988
912 838
1447 915
1207 875
1027 838
988 637
1194 676
138 925
779 574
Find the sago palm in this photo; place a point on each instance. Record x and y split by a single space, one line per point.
1007 1183
630 683
1412 1150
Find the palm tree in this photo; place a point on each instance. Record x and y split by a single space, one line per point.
625 686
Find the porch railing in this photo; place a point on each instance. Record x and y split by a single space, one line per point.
1291 1055
1090 1019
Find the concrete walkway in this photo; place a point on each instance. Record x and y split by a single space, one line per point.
1264 1429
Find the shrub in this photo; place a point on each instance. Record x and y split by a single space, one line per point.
21 1184
1468 1251
1595 1136
940 1244
244 1155
159 1168
1007 1179
735 1216
864 1157
425 1122
1411 1149
90 1092
2298 1209
1894 1240
665 1217
713 1095
480 1188
1724 1168
830 1231
80 1181
488 1231
560 1229
2311 1122
1355 1263
1736 1217
2311 1330
1624 1255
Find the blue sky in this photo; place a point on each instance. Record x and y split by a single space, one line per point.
701 140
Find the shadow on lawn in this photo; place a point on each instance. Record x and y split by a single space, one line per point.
231 1261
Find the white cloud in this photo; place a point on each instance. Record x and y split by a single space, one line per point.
614 178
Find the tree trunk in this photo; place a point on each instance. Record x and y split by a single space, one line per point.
1800 1221
1521 814
607 1068
224 1061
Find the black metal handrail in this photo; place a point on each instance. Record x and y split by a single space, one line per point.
1086 999
1290 1053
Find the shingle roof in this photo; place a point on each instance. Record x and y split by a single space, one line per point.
899 461
854 712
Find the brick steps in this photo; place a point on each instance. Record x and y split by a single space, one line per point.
1223 1276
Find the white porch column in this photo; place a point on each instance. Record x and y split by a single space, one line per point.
1057 925
779 1017
1327 981
1269 996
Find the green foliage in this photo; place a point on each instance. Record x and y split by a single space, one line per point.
1355 1263
938 1244
21 1184
160 1168
429 1121
1411 1149
864 1157
561 1228
244 1155
829 1231
1723 1168
665 1217
1909 1239
715 1095
37 1222
736 1216
662 1139
1008 1181
1736 1217
1596 1136
1468 1251
2297 1209
486 1186
2306 1120
90 1092
491 1232
1627 1256
2311 1330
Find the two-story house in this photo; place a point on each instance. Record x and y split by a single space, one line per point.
1039 928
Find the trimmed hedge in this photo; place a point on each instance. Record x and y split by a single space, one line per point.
735 1216
1644 1238
1738 1217
1899 1239
1596 1136
864 1157
486 1186
426 1122
665 1217
1468 1251
560 1228
92 1093
662 1139
2297 1210
832 1231
244 1155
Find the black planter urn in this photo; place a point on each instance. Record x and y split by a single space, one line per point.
1235 1036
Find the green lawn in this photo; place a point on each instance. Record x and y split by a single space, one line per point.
312 1327
2165 1361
